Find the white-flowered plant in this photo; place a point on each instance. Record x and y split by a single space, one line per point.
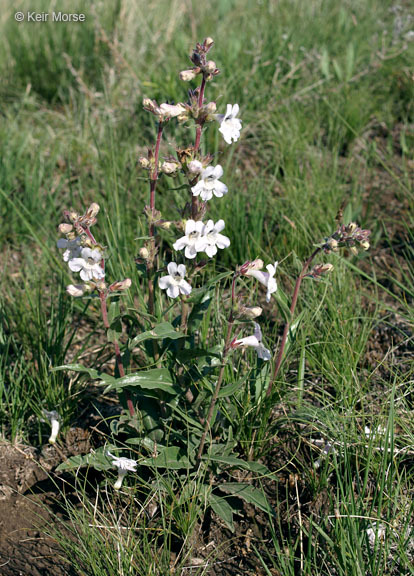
209 184
124 466
175 282
253 341
180 356
230 125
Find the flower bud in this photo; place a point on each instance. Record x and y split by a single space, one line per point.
332 244
351 227
76 290
211 108
210 66
354 250
143 252
65 228
249 312
208 43
164 224
169 167
195 167
188 75
121 285
93 210
365 245
143 162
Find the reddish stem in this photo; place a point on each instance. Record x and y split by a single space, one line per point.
199 129
287 325
104 311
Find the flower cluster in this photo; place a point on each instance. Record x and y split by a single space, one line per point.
202 176
84 255
347 236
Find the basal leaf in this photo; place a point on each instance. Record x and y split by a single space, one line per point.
249 494
156 379
223 509
94 374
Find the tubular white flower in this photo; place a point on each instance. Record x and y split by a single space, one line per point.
174 283
230 126
54 419
210 184
193 241
253 341
266 278
124 466
72 248
213 238
88 265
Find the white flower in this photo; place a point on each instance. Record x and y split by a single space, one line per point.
254 341
174 283
266 278
193 241
88 264
54 420
213 238
209 184
124 466
72 248
230 126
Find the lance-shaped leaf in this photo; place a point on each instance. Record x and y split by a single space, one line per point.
160 331
157 379
249 494
94 374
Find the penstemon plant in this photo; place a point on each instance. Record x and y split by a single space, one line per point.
174 372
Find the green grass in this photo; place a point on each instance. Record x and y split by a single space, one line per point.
317 82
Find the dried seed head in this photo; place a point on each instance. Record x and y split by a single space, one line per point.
65 228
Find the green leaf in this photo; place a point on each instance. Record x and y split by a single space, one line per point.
157 379
238 463
97 460
94 374
113 311
163 330
231 388
249 494
171 457
223 510
199 311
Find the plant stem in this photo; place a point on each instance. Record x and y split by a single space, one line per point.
151 262
118 356
220 376
104 311
184 314
199 129
279 357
